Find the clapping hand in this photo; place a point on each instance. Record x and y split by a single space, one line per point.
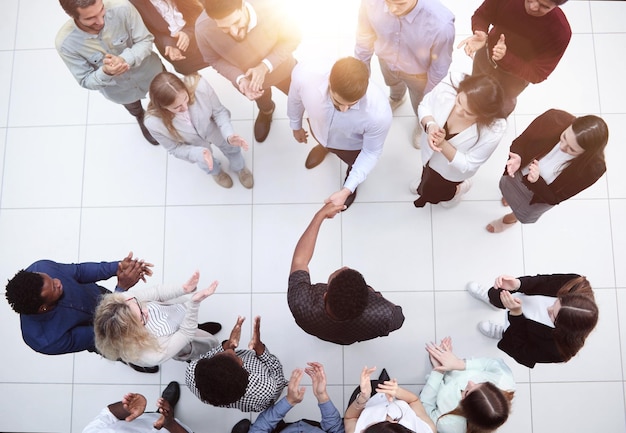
513 164
315 370
514 305
135 404
533 171
295 393
507 282
442 354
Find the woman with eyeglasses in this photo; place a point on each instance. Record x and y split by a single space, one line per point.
149 326
388 408
466 395
549 316
463 125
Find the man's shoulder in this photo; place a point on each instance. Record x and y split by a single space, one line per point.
64 33
437 11
42 266
117 6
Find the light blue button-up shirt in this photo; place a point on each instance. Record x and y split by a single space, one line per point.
124 35
421 42
364 126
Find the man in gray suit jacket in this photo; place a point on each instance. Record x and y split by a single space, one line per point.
251 43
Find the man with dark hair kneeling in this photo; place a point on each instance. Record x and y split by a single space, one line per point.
344 310
249 380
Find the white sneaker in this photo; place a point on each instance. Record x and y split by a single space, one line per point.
395 103
417 134
479 292
490 329
464 186
414 184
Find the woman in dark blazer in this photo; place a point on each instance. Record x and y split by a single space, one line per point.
172 22
559 311
555 158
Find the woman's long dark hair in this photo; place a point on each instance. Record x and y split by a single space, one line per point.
577 317
485 409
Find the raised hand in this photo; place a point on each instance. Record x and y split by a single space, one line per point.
315 370
499 50
507 282
295 393
443 355
514 305
473 43
235 335
135 404
365 384
255 343
192 283
203 294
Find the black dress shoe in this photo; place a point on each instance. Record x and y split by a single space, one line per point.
383 375
145 132
140 369
242 426
316 156
349 200
262 125
210 327
172 393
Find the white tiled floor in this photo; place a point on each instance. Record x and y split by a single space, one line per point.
79 183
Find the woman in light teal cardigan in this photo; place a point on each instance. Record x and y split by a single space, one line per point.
472 395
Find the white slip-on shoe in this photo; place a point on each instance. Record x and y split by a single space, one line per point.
479 292
490 329
464 186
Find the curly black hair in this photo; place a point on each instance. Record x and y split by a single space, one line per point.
23 292
347 294
220 380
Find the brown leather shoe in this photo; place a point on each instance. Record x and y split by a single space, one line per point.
262 125
316 156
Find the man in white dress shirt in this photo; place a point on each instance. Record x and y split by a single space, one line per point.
348 116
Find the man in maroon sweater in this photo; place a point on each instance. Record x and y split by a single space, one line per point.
517 42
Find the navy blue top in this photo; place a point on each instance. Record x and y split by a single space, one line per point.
68 327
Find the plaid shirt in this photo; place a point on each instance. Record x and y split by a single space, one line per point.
266 380
306 303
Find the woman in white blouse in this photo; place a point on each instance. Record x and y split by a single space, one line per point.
391 409
463 126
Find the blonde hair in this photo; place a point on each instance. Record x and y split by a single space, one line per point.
119 333
164 90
